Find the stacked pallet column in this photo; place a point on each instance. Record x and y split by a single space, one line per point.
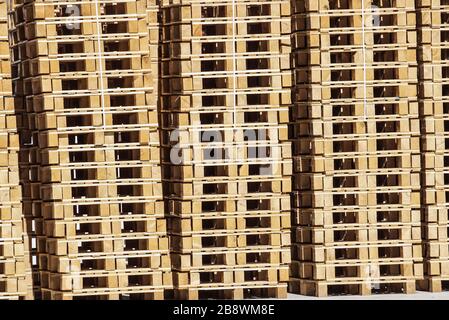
153 15
87 83
356 220
225 98
15 268
28 152
433 26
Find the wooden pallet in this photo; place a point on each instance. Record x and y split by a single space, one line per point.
102 294
434 283
233 292
374 286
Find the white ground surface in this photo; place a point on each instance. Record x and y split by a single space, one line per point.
418 296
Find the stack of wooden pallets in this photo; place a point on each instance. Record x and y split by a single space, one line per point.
87 85
356 148
28 154
433 56
153 16
15 275
225 85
